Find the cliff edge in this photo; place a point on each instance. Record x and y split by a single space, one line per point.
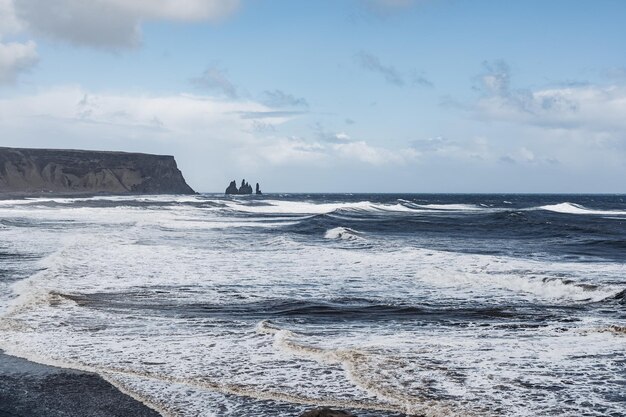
74 171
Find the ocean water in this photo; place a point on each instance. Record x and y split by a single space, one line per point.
387 305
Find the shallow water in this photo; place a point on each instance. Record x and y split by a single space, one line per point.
385 304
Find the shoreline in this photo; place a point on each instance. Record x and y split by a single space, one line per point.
30 389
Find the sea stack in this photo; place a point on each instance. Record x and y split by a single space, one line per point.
245 188
232 188
35 171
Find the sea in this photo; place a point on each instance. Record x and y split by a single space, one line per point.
380 304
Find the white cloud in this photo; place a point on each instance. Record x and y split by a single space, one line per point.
75 117
287 151
477 148
113 23
587 107
526 154
496 79
15 58
9 22
364 152
593 108
209 136
175 114
330 136
183 10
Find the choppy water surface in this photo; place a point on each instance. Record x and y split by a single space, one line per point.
386 304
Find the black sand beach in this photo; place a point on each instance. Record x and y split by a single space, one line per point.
31 389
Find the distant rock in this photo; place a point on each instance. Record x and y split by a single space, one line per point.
232 188
245 188
326 412
34 171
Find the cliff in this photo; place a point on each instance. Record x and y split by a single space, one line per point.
76 171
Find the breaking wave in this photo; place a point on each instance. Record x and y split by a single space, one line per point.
363 373
571 208
297 207
310 208
343 233
454 305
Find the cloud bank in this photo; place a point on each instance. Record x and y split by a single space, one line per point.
112 24
587 107
226 129
15 58
9 23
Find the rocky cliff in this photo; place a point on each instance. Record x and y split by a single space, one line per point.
75 171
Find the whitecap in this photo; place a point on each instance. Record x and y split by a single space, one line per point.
571 208
303 207
342 233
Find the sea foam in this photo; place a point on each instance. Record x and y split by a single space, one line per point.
197 318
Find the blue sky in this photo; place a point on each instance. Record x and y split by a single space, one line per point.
328 96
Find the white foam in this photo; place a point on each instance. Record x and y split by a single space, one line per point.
356 364
297 207
342 233
452 207
176 218
571 208
140 266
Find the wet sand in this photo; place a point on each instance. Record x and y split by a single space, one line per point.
30 389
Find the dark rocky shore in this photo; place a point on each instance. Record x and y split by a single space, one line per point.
58 171
28 389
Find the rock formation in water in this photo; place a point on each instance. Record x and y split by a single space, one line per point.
245 188
34 171
258 189
232 188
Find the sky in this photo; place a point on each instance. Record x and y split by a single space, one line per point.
415 96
